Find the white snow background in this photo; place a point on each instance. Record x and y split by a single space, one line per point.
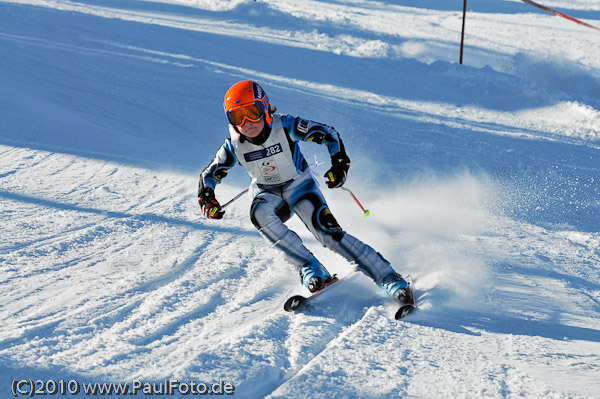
482 180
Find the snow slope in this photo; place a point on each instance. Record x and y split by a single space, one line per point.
481 179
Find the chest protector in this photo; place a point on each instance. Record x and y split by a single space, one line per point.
271 163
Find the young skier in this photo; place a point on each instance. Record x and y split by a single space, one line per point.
266 144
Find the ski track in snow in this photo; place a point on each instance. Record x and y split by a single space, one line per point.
481 179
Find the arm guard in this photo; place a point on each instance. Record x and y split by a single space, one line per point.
217 169
304 130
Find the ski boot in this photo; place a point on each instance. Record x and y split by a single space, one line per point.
397 288
313 275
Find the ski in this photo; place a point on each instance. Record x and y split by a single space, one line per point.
296 301
409 307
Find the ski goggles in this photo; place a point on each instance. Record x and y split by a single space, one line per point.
251 112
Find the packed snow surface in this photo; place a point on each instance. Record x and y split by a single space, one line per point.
482 182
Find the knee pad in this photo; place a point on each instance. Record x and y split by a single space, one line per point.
327 226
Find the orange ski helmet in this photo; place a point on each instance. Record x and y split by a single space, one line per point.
246 100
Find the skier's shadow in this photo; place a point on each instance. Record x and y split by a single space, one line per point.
143 217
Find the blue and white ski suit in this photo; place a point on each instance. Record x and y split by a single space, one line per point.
283 185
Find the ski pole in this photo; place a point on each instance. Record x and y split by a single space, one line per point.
365 211
233 199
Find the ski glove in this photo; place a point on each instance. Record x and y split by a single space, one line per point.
209 205
336 175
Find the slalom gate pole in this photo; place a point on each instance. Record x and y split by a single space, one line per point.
365 211
462 35
560 14
233 199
